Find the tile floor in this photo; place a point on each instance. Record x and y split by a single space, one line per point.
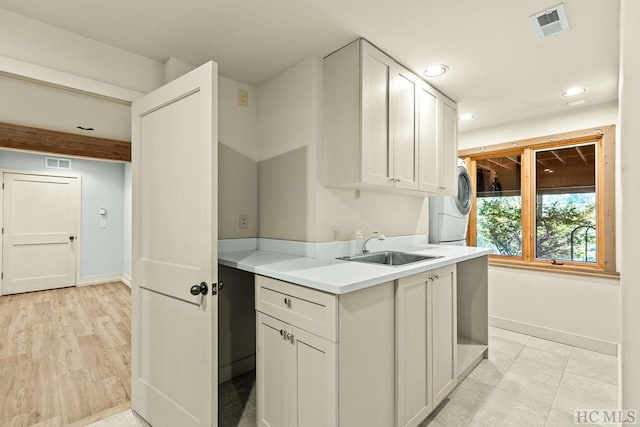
529 381
526 381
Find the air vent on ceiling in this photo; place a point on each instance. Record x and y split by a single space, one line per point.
550 22
57 163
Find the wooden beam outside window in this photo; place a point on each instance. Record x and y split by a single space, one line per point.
26 138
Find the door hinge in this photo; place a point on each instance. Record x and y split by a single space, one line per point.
1 275
3 185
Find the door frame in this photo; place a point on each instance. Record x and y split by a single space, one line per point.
78 207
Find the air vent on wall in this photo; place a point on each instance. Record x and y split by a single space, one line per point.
57 163
550 22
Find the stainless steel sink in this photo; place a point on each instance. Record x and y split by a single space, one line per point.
389 258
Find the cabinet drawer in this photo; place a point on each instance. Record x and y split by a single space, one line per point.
308 309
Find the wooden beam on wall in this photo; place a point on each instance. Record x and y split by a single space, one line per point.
19 137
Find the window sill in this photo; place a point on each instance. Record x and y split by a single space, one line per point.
549 268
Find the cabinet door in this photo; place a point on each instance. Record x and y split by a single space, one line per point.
377 157
312 378
413 346
443 309
449 146
272 354
428 139
403 129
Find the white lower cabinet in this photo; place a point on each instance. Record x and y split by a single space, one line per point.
426 343
322 359
444 330
296 376
379 357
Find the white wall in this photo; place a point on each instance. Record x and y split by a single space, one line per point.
38 43
288 109
567 307
289 119
102 187
290 127
574 118
577 307
237 125
630 177
127 224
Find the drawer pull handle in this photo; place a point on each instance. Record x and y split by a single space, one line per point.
289 336
287 302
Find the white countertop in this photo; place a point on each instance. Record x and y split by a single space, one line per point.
338 276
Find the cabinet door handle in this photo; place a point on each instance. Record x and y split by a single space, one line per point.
290 337
436 277
282 332
287 302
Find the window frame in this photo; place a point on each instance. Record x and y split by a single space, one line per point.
604 138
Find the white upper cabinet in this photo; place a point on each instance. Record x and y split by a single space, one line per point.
377 158
385 129
438 141
403 128
449 147
429 140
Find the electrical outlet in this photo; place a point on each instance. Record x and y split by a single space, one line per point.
244 222
335 232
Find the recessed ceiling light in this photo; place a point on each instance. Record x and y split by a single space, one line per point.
576 102
465 117
435 70
573 91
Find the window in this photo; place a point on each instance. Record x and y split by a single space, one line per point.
565 211
499 204
546 202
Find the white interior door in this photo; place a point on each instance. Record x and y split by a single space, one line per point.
174 165
40 222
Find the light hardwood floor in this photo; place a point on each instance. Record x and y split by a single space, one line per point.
65 355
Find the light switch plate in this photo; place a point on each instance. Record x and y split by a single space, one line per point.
243 98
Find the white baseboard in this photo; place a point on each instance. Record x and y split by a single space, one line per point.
588 343
126 280
99 280
235 368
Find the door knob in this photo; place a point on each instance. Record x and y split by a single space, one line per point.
202 288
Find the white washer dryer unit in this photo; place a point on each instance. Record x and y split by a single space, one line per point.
449 215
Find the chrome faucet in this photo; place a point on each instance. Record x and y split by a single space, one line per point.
376 235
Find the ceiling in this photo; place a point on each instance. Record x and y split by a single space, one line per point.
499 70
